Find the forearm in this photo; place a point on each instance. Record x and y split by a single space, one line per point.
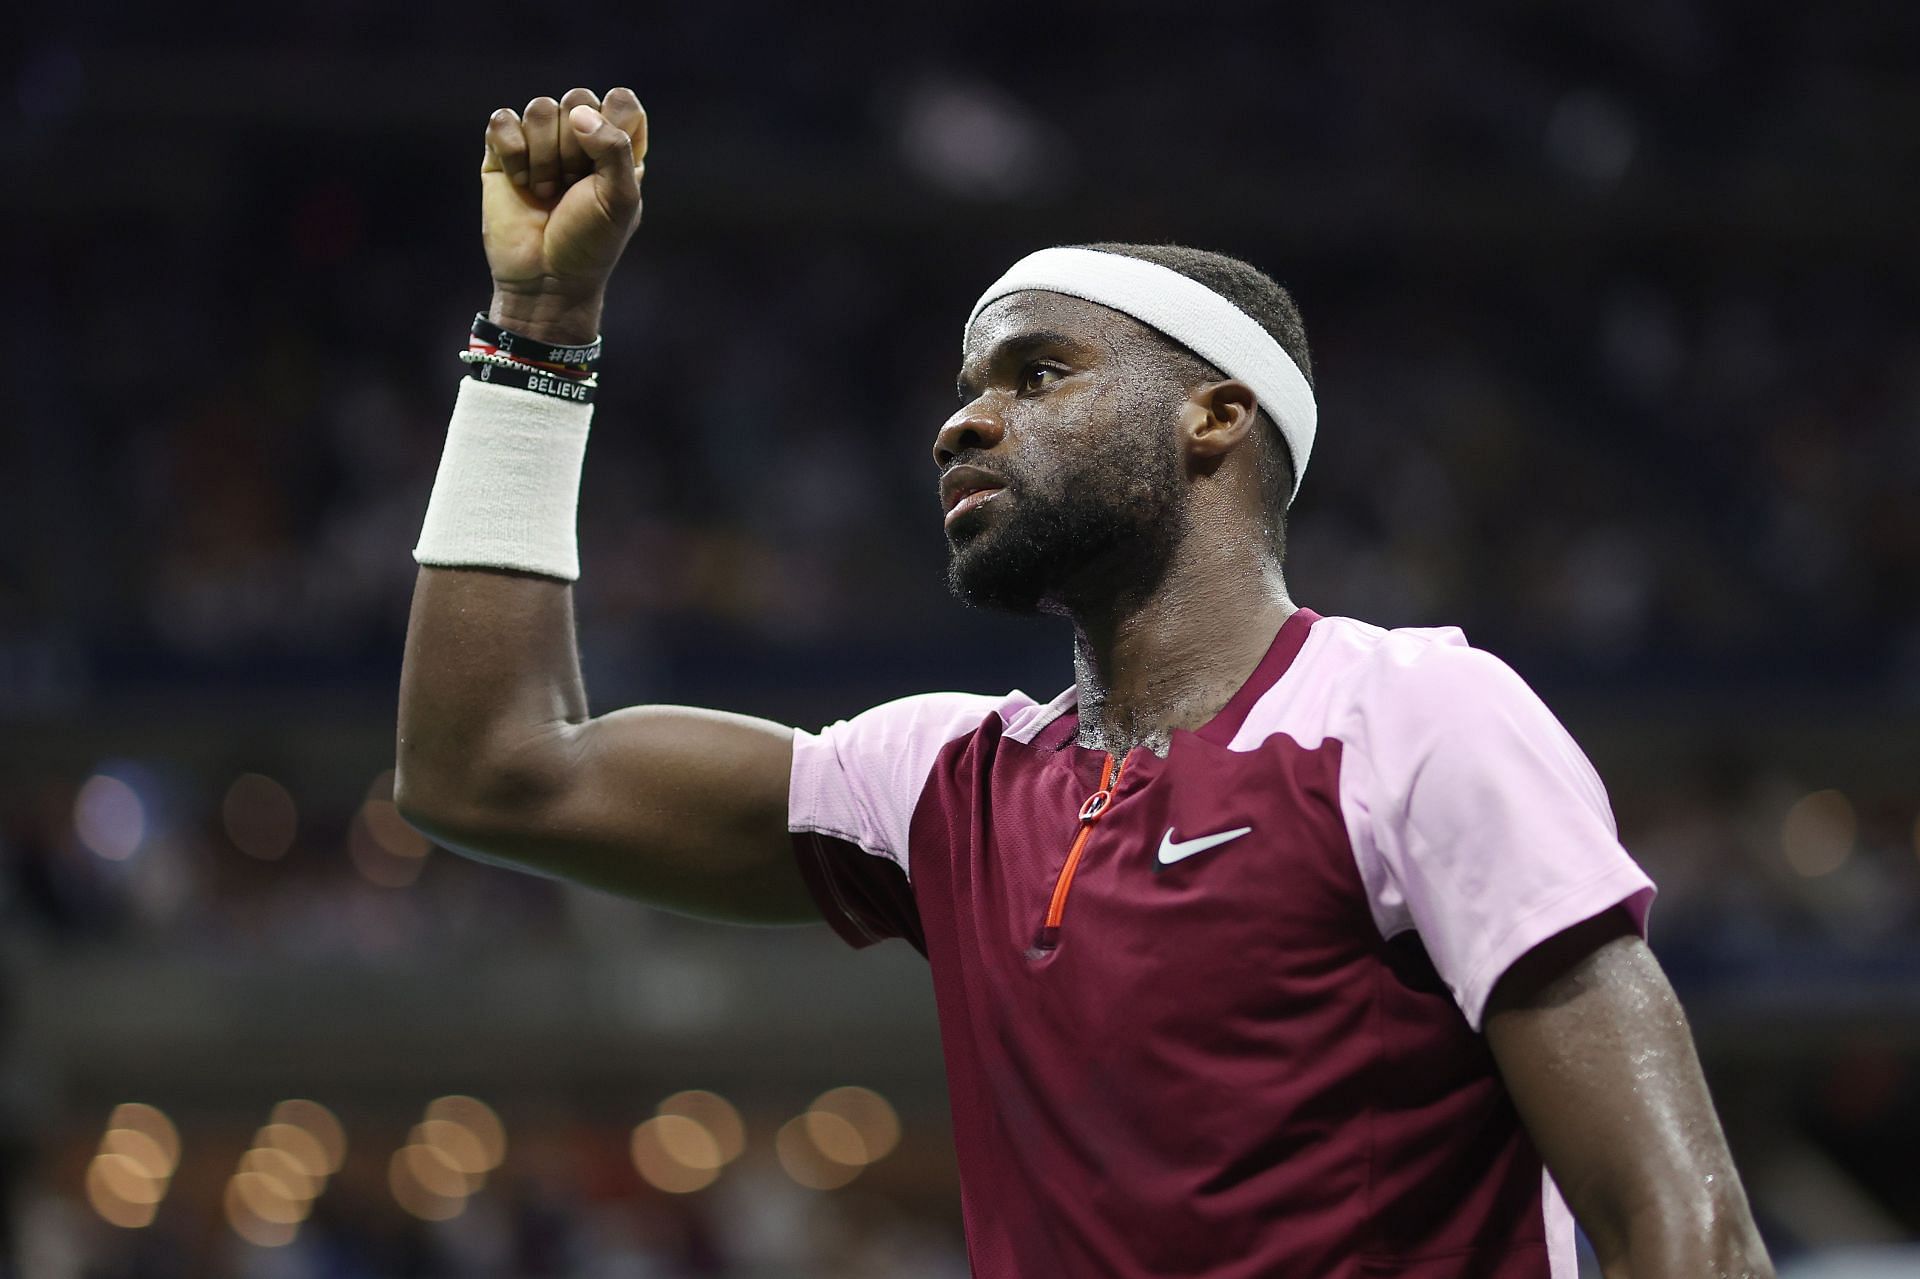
491 675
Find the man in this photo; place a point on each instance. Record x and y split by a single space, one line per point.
1278 945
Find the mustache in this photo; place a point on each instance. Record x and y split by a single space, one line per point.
995 467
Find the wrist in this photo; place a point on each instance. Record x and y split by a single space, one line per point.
560 319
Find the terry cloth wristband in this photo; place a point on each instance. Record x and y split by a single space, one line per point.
1188 312
509 481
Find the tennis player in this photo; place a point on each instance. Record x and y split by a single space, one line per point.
1277 945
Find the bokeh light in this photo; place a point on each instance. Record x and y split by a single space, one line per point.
151 1122
120 1178
105 1198
869 1114
457 1142
283 1170
714 1113
260 816
268 1198
675 1154
416 1199
318 1123
478 1118
260 1231
297 1144
1818 833
835 1138
147 1154
129 1176
447 1157
803 1161
436 1172
108 817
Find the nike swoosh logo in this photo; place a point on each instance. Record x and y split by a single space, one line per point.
1172 850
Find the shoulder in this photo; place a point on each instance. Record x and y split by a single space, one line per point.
1352 677
1420 703
1394 698
1411 673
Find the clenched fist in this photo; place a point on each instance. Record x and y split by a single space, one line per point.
559 197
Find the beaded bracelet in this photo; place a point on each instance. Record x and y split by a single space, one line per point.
506 371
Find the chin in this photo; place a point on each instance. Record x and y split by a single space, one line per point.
982 585
995 578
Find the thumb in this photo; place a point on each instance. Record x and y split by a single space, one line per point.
611 151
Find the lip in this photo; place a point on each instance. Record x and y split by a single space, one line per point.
965 487
971 501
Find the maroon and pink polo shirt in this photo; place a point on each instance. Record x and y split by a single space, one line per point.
1217 1013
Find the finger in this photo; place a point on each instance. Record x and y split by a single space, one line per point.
574 163
612 153
506 146
624 109
541 120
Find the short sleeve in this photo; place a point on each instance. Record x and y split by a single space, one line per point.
851 800
1475 818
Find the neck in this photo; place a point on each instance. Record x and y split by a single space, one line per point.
1172 660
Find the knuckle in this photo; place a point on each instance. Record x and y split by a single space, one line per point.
543 106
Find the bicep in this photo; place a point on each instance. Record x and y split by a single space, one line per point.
681 807
1596 1054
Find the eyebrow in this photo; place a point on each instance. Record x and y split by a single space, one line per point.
1019 344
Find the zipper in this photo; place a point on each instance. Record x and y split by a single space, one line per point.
1090 812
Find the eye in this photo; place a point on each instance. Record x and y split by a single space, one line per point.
1038 377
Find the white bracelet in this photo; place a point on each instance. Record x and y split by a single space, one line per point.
508 362
509 483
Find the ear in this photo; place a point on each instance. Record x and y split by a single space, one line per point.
1217 418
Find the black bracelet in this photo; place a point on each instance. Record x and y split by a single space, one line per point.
540 381
522 347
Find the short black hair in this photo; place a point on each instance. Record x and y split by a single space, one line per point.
1273 308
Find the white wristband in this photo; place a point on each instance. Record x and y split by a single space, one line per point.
509 483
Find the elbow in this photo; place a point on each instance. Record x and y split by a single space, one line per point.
475 801
423 799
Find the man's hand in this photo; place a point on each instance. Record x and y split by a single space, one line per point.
559 198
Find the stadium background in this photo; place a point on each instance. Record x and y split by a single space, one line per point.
1613 319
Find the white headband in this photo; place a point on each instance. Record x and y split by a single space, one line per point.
1188 312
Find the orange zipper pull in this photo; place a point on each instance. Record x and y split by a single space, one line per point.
1090 812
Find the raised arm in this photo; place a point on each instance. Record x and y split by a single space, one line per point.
1595 1052
497 754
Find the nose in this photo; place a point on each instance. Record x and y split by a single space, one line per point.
974 427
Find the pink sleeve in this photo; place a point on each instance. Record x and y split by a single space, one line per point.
859 780
1476 820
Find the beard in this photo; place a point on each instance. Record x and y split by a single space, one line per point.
1075 532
